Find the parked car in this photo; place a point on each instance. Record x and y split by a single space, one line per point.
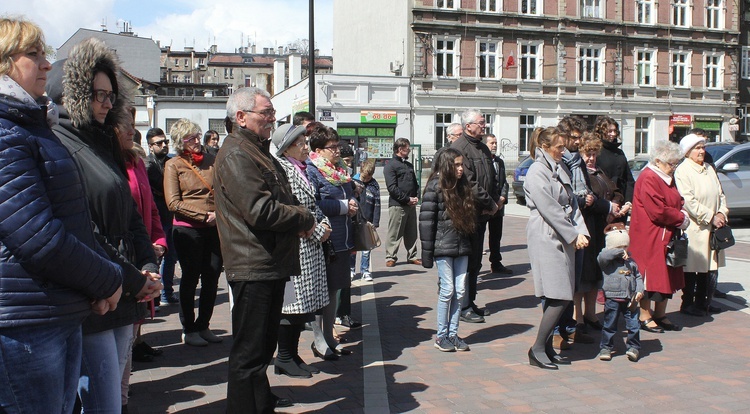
519 175
732 162
637 165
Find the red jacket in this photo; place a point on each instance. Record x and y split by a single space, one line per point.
656 216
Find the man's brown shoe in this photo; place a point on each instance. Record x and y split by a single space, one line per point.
558 342
390 263
417 262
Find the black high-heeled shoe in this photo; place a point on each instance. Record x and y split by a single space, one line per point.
341 351
554 356
324 357
309 368
533 361
290 369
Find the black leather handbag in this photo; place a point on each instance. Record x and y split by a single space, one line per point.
721 238
677 250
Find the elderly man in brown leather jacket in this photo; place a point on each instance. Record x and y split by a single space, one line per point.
259 223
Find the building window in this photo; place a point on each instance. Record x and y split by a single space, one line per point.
681 13
446 59
681 69
488 59
489 5
745 62
442 120
590 64
645 11
169 123
641 134
175 78
188 79
226 73
645 65
530 60
177 62
526 129
714 15
217 124
533 7
448 4
487 123
231 73
713 70
591 9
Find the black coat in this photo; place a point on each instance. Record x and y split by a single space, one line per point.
614 163
479 170
436 232
155 170
401 181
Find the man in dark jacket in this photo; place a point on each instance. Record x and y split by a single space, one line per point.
480 172
496 222
158 145
259 223
403 189
614 163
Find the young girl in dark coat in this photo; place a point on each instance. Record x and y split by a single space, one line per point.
446 221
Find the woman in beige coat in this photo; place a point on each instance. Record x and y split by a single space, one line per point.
707 207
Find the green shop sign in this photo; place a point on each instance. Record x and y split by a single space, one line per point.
378 117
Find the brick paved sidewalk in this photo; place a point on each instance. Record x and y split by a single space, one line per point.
396 369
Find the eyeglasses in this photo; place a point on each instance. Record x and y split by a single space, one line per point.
192 138
300 143
101 95
266 112
671 164
160 142
333 148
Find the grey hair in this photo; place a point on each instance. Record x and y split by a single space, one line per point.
469 116
243 99
665 151
454 128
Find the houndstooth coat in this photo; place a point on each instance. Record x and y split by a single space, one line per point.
310 287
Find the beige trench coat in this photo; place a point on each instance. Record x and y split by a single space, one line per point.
700 187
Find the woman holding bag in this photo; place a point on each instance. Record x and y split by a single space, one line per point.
707 207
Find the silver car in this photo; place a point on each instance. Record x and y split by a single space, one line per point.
732 162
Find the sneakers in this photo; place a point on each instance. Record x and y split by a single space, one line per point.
632 354
470 316
193 339
445 345
367 277
459 344
606 354
347 321
209 336
352 274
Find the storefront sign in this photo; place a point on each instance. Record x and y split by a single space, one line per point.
326 116
378 117
678 119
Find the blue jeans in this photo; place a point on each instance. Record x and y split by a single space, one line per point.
364 262
168 263
41 365
451 291
612 311
104 357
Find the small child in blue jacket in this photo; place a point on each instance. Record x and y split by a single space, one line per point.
369 204
623 289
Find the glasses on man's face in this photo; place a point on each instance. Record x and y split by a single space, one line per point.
267 113
192 138
160 142
101 95
333 148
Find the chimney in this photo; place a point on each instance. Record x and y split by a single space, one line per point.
252 48
281 50
316 52
295 68
279 69
265 50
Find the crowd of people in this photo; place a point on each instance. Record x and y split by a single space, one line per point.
93 226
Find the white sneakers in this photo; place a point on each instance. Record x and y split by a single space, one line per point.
367 277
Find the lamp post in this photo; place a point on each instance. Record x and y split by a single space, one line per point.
311 61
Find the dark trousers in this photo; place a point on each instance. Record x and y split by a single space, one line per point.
612 311
255 328
344 302
200 259
475 263
496 234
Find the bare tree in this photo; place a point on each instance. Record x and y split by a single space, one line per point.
302 46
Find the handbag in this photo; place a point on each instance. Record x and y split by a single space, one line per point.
721 238
365 234
329 253
677 250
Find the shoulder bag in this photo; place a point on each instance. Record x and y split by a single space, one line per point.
721 238
365 234
677 250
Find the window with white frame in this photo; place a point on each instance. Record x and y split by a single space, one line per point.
231 73
175 78
645 67
641 134
492 6
590 64
745 62
714 14
681 15
681 69
487 123
186 63
446 57
591 9
203 79
488 58
712 70
526 125
530 60
177 62
218 125
533 7
645 11
448 4
442 120
226 72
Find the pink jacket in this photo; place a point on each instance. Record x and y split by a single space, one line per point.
144 199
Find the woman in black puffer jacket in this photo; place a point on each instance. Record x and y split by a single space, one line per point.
90 93
446 222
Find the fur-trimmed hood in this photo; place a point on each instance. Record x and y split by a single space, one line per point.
78 79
